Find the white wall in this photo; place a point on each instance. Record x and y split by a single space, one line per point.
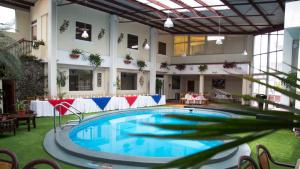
232 85
96 90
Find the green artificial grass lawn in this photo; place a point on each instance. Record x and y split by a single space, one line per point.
283 145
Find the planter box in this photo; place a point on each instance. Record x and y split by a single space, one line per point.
127 61
74 56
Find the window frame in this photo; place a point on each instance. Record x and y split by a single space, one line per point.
131 44
162 51
134 84
86 26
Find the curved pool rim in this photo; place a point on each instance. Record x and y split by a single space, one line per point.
64 142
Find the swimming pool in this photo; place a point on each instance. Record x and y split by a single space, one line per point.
110 134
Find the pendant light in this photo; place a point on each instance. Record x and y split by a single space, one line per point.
219 39
85 34
245 52
168 23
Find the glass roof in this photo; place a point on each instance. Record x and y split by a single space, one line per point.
192 3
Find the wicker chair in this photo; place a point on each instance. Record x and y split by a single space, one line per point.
8 164
7 124
264 156
246 162
34 163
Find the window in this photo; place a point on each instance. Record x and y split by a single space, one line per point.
34 31
175 82
132 42
99 79
128 81
181 45
162 48
197 44
7 19
80 27
80 80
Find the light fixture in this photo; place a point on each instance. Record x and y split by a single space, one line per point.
219 39
245 52
146 45
168 23
84 33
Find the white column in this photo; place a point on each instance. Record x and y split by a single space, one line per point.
52 47
113 46
201 84
153 51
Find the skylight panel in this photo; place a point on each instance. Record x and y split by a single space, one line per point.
172 5
216 2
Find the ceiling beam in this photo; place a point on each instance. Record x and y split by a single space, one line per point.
119 13
238 13
164 15
197 13
190 7
178 14
219 14
270 29
151 16
13 3
260 12
281 4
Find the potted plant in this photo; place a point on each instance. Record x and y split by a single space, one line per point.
95 60
229 65
164 65
180 67
202 67
128 59
141 64
75 53
21 108
36 44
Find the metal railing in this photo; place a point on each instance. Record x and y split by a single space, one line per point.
62 104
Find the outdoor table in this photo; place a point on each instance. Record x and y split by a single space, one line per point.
97 104
27 118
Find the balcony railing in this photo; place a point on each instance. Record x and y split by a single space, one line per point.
21 47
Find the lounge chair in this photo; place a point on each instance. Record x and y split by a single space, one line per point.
264 156
246 162
43 162
12 163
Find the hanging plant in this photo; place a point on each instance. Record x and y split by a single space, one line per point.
101 33
95 60
202 67
75 53
180 67
120 38
36 44
128 59
141 64
164 65
64 26
229 65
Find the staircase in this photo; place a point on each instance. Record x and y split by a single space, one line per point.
19 48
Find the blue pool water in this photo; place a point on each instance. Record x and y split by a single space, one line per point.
110 134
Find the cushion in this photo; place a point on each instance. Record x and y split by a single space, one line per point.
5 165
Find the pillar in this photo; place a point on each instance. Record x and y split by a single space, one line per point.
52 47
201 84
113 46
152 52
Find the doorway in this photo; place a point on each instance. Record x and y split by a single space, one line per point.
191 86
9 96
